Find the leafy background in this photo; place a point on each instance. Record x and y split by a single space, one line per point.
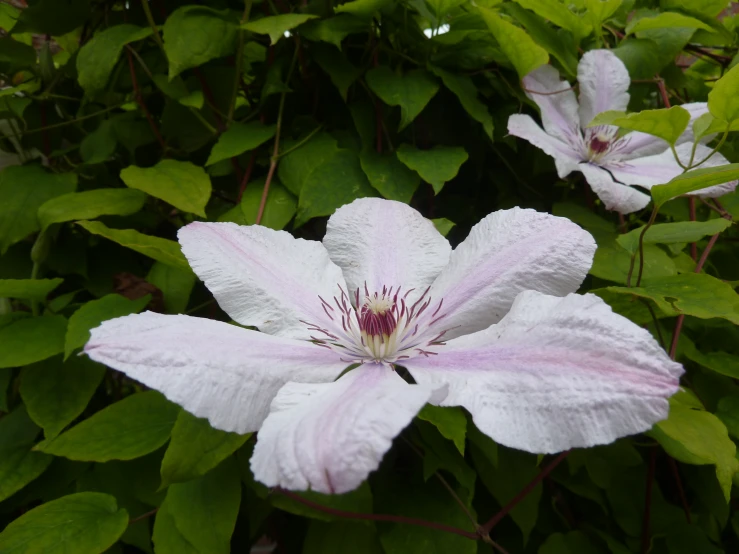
125 120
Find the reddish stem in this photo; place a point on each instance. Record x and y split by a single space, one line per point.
525 492
380 517
645 530
680 489
663 91
143 516
247 175
693 246
140 101
44 132
265 190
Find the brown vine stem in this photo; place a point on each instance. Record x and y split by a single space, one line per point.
140 101
153 25
379 517
143 516
646 522
693 246
276 150
247 175
493 521
681 491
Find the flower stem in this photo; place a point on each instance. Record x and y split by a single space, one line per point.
239 62
153 25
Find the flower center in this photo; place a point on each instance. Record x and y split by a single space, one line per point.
599 144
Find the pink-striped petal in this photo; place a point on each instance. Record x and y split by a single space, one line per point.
604 84
557 103
615 196
330 437
566 155
212 369
505 253
261 277
554 374
382 243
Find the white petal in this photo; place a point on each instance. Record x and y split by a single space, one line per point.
385 243
566 155
507 252
556 100
661 168
261 277
212 369
604 84
556 373
615 196
329 437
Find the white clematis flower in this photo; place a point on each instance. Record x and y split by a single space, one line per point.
492 326
609 163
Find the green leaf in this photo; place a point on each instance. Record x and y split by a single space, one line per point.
90 204
162 250
341 536
240 138
183 184
196 448
700 438
443 225
278 210
451 423
23 189
463 87
574 542
720 362
442 7
693 180
28 289
516 44
31 340
599 11
204 510
411 91
695 294
167 538
334 29
710 8
723 103
276 25
665 20
435 166
194 35
93 313
19 465
558 14
296 166
83 523
16 53
128 429
53 17
673 233
341 72
56 392
441 454
668 124
175 284
100 145
340 180
97 57
363 8
6 376
728 413
385 173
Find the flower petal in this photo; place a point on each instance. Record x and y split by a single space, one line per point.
566 156
661 168
505 253
615 196
261 277
385 243
555 373
557 102
604 84
212 369
329 437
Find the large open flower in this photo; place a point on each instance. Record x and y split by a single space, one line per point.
492 326
609 162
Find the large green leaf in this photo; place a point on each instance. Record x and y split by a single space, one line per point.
723 103
196 448
668 124
16 53
516 44
435 166
23 189
341 72
279 208
97 57
665 20
720 362
31 340
559 14
411 91
56 392
394 180
175 284
693 180
194 35
93 313
334 29
463 87
100 145
276 25
28 289
710 8
363 8
167 538
673 233
697 437
240 138
297 165
695 294
451 423
162 250
83 523
90 204
183 184
128 429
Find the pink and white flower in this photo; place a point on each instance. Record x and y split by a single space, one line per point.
609 162
492 326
